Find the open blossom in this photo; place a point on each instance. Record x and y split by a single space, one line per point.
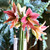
30 19
12 15
39 30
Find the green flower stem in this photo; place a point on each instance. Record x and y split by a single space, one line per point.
20 39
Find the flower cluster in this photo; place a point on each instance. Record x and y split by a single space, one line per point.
20 17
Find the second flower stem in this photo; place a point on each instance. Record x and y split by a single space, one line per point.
20 39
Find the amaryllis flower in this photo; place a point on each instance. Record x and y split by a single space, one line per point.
39 30
12 15
30 19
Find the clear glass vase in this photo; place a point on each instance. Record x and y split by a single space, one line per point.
16 44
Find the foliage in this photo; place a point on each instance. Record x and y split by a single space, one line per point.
3 4
6 35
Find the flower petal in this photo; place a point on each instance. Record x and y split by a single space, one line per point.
40 38
31 25
16 20
18 7
44 27
9 13
35 34
44 33
38 33
12 25
43 24
23 9
9 19
28 11
35 22
14 7
23 20
34 15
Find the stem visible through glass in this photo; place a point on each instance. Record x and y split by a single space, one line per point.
20 39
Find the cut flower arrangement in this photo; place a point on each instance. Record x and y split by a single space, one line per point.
20 17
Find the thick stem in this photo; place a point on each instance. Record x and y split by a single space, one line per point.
20 39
